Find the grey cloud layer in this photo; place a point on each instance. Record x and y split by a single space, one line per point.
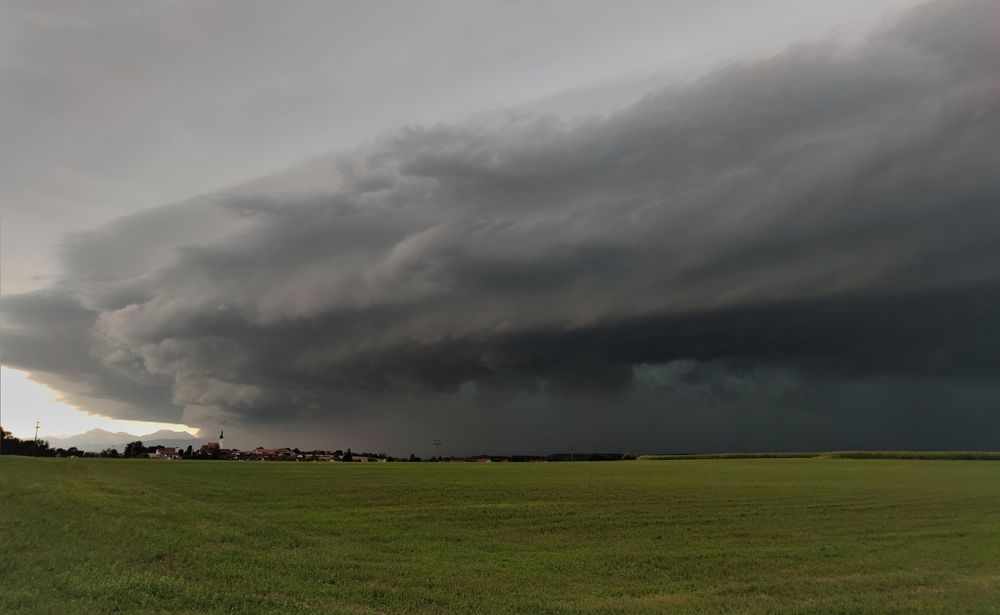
829 209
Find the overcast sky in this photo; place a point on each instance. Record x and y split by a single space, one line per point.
662 226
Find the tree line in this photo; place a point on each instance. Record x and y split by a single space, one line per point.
12 445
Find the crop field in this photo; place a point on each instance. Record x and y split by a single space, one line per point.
765 535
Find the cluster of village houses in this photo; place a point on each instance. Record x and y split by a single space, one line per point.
213 450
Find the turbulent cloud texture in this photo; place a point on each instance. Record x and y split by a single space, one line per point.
802 251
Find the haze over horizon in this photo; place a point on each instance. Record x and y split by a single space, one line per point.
671 230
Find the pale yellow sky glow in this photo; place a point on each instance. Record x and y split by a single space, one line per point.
24 401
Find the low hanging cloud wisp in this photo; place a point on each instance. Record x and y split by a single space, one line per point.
826 216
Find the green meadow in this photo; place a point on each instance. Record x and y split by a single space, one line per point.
764 535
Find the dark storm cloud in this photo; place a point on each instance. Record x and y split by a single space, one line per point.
48 333
827 217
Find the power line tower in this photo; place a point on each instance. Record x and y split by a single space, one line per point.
437 448
34 452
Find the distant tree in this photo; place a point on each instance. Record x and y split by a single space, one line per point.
348 456
12 445
414 457
188 452
134 449
110 452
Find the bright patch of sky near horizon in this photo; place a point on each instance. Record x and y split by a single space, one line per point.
23 401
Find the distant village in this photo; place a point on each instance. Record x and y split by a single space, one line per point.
214 450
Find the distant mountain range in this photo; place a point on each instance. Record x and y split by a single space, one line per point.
100 439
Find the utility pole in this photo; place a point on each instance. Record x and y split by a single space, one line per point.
572 453
437 448
35 451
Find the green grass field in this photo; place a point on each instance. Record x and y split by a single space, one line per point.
813 535
942 455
